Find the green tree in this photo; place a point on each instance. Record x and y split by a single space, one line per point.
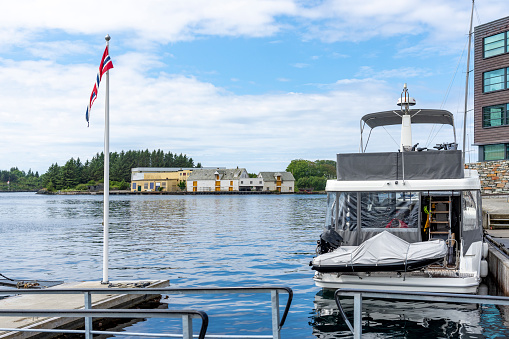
69 174
309 174
302 168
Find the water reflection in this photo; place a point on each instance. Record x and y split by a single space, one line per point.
408 319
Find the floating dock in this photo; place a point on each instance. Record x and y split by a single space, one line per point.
70 301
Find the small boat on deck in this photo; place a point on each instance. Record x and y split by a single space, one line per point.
383 252
408 220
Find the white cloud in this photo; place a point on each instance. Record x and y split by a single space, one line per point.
404 72
441 25
170 21
300 65
44 107
152 20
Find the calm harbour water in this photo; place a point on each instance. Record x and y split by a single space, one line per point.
212 240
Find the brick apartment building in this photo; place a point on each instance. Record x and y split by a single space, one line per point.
491 90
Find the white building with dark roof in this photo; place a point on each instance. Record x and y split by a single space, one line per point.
283 182
216 180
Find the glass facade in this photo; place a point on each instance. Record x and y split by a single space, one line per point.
495 44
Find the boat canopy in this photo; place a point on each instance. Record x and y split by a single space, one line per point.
419 116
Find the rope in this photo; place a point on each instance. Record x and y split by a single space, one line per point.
1 275
390 136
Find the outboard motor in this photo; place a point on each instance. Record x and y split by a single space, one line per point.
329 241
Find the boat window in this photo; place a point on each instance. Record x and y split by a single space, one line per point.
469 210
341 211
330 217
390 210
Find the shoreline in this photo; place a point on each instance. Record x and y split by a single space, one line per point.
182 193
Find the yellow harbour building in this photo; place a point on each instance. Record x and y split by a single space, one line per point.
159 179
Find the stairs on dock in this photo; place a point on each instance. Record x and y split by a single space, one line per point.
498 221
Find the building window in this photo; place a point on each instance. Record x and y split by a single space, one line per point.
145 186
151 185
494 152
495 44
134 185
163 184
495 80
494 115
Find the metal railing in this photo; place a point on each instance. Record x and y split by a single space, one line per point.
88 313
358 294
186 315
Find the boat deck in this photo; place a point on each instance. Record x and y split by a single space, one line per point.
427 273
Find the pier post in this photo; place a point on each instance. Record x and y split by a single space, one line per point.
357 316
274 296
88 320
187 327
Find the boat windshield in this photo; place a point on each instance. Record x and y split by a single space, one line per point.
374 212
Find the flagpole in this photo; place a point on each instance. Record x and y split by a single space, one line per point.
106 203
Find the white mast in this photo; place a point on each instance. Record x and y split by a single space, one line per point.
406 125
106 203
466 85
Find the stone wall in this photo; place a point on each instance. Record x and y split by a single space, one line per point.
494 176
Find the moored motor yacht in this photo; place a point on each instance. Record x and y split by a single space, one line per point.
408 220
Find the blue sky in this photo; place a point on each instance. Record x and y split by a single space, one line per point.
244 83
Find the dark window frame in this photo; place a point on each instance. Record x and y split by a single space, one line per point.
504 82
505 151
506 47
504 116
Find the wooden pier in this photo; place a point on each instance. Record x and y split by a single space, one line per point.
70 301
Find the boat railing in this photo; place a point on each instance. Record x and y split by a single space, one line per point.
187 315
358 294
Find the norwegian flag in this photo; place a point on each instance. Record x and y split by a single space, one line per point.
105 65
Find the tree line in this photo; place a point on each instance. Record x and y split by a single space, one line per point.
75 174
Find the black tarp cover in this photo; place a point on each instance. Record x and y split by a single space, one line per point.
390 165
